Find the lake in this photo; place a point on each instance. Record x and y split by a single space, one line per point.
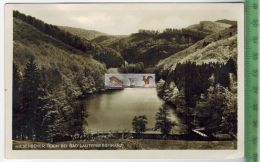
115 110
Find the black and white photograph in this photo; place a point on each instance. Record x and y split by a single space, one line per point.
124 76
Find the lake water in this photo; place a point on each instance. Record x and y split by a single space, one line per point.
115 110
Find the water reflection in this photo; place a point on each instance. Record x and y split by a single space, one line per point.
115 110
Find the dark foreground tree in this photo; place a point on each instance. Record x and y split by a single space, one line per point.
217 112
139 124
163 121
32 100
16 102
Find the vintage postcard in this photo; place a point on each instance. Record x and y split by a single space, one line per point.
124 80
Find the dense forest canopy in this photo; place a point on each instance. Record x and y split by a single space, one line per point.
201 80
150 46
49 76
196 73
201 92
103 54
216 47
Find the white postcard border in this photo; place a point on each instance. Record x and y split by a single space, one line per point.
125 154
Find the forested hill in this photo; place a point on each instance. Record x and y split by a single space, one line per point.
217 47
210 26
87 34
49 75
62 64
201 81
103 54
230 22
149 47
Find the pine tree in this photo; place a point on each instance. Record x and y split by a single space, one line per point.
139 124
209 110
31 99
16 102
231 66
53 122
163 121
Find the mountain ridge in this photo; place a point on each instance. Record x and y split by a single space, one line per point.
225 39
88 34
55 59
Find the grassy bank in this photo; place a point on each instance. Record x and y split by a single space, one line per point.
126 144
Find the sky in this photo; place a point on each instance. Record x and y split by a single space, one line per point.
124 19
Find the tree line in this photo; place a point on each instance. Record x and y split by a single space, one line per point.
55 32
150 46
180 35
163 122
105 55
132 68
42 111
205 95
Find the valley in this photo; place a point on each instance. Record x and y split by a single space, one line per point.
64 68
